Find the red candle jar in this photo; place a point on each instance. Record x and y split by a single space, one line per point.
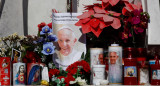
130 67
142 71
141 53
155 73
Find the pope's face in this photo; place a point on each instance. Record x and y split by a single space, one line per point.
113 57
66 41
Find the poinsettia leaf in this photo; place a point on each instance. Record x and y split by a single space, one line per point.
129 7
139 5
104 5
98 15
94 23
114 13
116 23
86 14
134 6
79 23
86 28
98 32
125 0
85 20
124 10
105 1
102 25
99 9
113 2
107 18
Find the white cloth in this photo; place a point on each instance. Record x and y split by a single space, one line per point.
64 61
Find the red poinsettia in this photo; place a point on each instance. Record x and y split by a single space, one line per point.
97 18
129 7
112 2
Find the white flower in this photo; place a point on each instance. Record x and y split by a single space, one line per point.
14 35
79 81
54 78
72 82
3 49
22 37
22 48
82 82
1 45
50 65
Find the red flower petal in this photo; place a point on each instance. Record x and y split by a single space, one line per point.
50 25
134 6
107 18
79 23
102 25
99 10
85 20
140 30
116 23
114 13
94 23
125 0
113 2
129 7
86 28
139 5
124 10
86 14
98 32
98 15
104 5
105 1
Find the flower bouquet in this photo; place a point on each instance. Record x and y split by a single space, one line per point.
43 44
120 20
9 42
77 73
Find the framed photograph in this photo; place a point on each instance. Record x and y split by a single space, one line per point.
16 54
71 42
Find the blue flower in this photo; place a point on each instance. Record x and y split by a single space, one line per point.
45 30
48 48
53 38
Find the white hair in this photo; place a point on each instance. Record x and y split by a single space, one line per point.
67 28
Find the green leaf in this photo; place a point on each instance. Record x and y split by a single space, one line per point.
83 56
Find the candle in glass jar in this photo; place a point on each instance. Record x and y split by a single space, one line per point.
98 73
94 55
130 67
115 64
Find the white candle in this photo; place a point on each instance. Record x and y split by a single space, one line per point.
94 55
98 73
